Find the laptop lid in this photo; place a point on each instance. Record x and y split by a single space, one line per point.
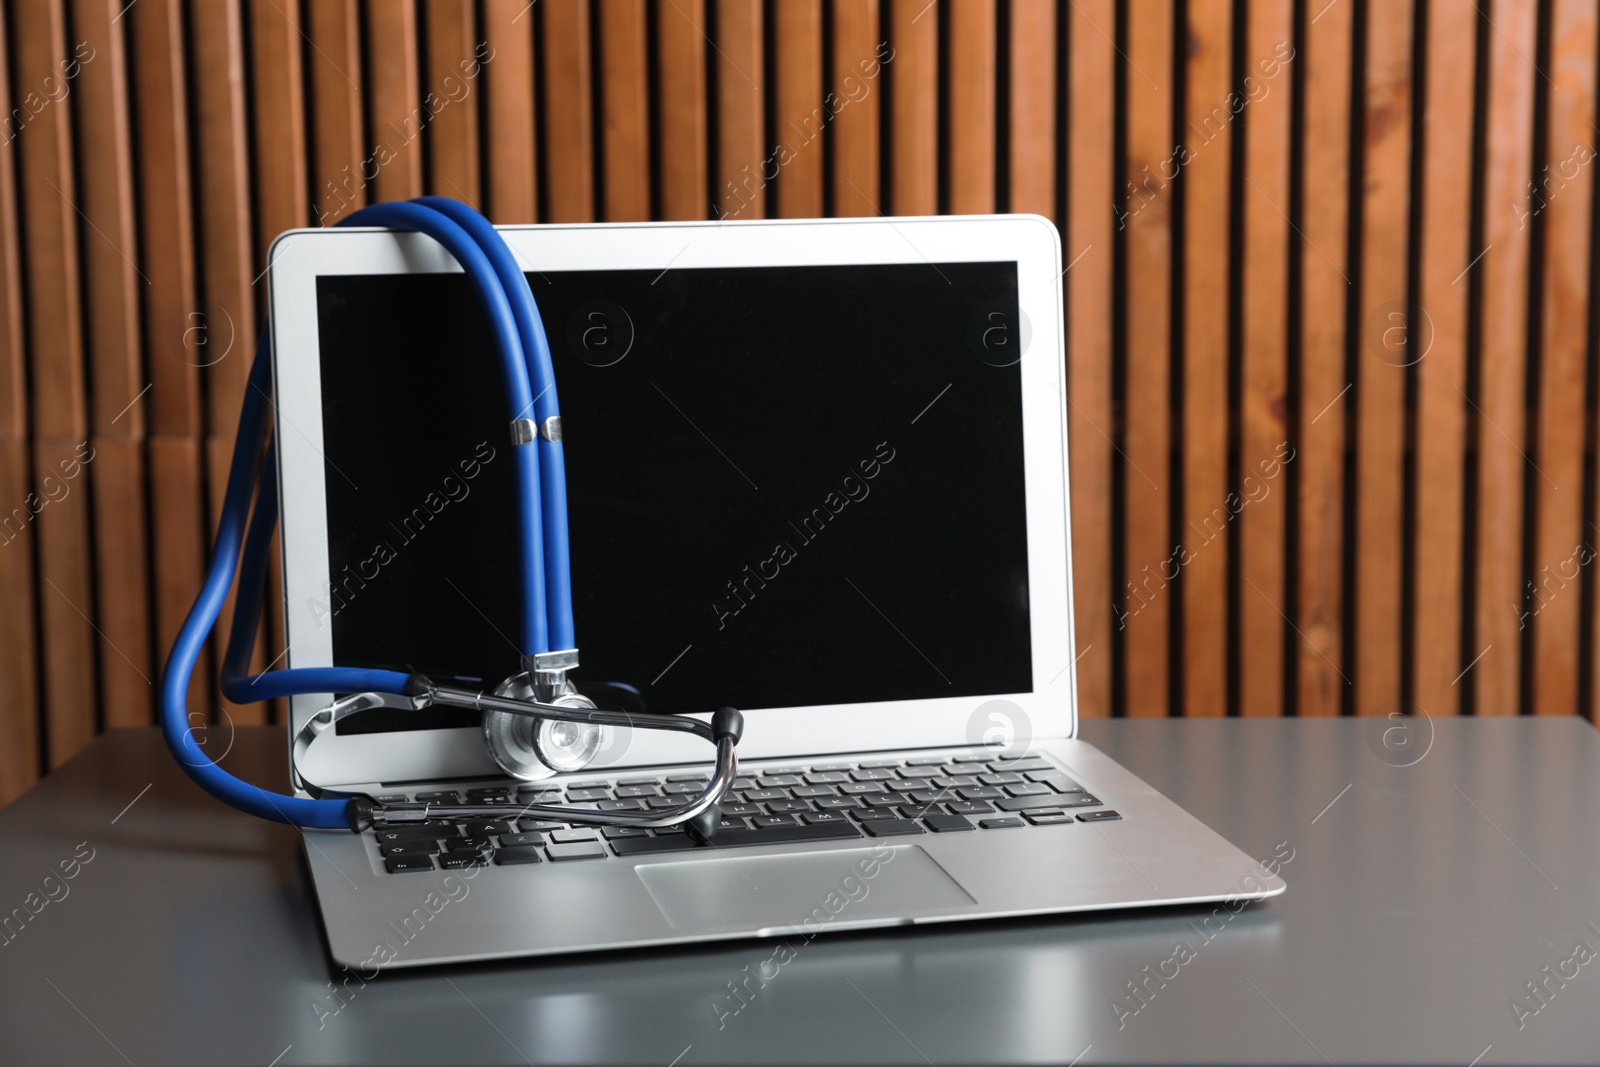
817 470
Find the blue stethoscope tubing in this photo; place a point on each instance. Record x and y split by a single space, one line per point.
520 342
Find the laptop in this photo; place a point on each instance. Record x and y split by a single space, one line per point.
817 471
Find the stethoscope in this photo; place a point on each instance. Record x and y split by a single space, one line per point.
536 723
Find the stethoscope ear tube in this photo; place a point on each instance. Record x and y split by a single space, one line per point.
543 557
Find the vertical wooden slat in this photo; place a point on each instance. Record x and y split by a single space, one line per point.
914 129
568 111
454 66
336 76
972 106
1567 182
167 259
797 151
1032 47
1091 67
860 56
1264 446
227 316
19 724
282 199
1441 369
1381 382
681 99
394 100
1147 225
741 184
50 233
1499 422
117 420
626 118
507 78
1207 514
1324 385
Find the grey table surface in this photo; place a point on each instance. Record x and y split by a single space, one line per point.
1430 883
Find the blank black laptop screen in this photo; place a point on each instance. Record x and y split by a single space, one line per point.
787 486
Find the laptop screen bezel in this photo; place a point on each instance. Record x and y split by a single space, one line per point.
298 258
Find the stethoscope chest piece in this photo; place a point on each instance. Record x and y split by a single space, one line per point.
532 748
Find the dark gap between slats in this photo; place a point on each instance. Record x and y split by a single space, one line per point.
1002 108
1531 358
1409 497
1233 647
1119 369
1177 349
1473 371
597 116
1354 182
1586 587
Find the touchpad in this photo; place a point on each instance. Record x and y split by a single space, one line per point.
814 889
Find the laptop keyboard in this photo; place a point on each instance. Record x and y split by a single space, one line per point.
768 805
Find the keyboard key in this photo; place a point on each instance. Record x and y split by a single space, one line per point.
945 824
741 809
466 844
728 823
811 818
565 837
812 791
875 774
745 781
392 798
797 771
535 826
980 792
580 850
826 777
778 781
969 759
611 833
629 804
624 792
449 796
892 828
1000 824
456 861
662 803
1048 818
875 765
925 761
917 811
969 807
506 857
478 829
756 795
1099 816
419 847
518 840
884 800
1028 789
876 814
401 864
1053 801
834 803
828 768
912 785
766 821
540 793
1026 763
684 789
777 835
1002 778
930 796
692 779
488 792
860 788
780 807
426 831
955 781
579 796
638 781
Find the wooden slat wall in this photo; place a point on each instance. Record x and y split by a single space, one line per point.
1329 284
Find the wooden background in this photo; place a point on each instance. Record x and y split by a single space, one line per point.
1330 303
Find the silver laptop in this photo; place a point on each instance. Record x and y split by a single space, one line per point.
817 471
